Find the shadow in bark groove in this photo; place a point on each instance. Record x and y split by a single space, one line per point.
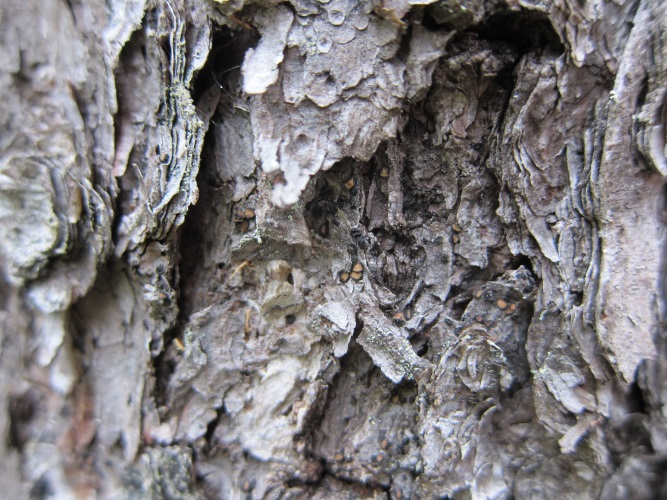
527 30
345 440
221 68
23 409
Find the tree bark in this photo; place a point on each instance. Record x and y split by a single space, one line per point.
333 249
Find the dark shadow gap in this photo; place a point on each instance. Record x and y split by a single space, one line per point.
528 31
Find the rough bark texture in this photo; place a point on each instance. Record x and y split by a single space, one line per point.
333 249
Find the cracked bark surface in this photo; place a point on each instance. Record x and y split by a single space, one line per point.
333 249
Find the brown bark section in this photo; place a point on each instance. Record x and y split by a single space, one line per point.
333 249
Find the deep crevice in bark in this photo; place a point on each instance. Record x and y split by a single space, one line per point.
529 31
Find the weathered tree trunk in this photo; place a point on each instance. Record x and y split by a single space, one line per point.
333 248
